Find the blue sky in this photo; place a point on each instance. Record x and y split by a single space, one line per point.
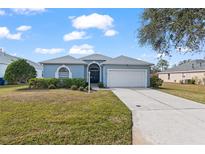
41 34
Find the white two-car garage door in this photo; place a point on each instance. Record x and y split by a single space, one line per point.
127 78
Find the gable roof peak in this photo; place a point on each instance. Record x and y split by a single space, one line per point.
125 60
95 56
192 65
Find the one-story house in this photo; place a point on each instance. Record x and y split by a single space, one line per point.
194 69
6 59
121 71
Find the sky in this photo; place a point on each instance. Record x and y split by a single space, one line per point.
41 34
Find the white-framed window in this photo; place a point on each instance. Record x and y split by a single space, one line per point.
63 73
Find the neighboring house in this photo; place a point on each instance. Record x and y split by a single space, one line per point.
194 69
121 71
6 59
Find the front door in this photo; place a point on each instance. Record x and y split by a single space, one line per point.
94 73
94 76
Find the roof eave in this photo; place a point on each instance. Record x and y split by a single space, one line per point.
126 64
63 63
181 71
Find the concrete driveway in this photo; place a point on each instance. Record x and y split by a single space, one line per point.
160 118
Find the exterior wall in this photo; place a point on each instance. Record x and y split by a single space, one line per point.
78 71
106 67
2 70
177 77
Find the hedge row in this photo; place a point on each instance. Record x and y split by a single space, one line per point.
52 83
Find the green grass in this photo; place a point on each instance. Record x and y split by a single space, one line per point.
188 91
62 117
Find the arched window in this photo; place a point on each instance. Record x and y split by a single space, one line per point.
63 73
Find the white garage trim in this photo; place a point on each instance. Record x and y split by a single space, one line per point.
123 81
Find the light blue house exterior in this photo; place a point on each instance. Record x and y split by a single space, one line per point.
121 71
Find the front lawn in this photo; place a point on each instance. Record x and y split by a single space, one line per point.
62 117
188 91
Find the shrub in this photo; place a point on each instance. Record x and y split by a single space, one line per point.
67 83
81 88
78 82
155 81
52 86
53 81
190 81
19 71
41 83
198 81
193 81
58 83
181 82
32 83
74 87
101 85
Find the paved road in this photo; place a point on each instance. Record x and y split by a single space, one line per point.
160 118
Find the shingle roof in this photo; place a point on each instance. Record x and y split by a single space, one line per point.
96 57
124 60
63 60
7 59
194 65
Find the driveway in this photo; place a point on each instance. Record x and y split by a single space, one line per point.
160 118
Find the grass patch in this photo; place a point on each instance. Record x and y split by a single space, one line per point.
62 117
188 91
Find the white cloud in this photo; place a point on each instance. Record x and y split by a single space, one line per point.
110 33
75 35
2 12
49 51
5 33
71 17
28 11
16 36
82 49
94 20
23 28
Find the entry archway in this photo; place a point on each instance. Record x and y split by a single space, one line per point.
94 70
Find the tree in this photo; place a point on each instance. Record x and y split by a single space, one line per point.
19 72
154 69
180 29
162 64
